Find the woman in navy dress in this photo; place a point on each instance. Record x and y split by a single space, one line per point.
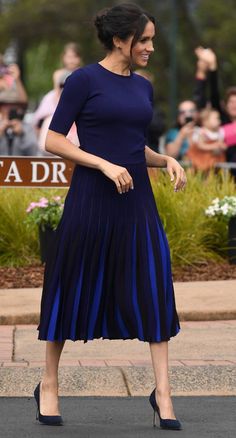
108 274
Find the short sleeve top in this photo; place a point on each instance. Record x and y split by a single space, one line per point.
111 111
171 136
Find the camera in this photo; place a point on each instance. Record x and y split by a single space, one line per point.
188 119
15 114
3 70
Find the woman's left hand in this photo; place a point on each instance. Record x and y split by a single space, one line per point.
177 173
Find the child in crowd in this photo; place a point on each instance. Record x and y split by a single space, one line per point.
208 141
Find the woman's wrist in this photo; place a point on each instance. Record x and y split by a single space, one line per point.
100 162
165 159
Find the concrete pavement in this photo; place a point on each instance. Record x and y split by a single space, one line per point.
202 356
202 360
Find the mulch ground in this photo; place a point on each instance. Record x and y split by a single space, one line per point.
32 276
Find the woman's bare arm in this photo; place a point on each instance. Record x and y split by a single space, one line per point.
153 159
58 144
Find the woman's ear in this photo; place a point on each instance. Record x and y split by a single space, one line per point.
117 42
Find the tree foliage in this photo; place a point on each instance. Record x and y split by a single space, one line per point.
216 20
42 27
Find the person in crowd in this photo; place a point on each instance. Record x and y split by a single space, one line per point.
178 138
157 126
72 134
71 60
207 72
16 136
207 146
11 86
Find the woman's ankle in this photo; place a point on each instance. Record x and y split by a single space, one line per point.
49 382
163 390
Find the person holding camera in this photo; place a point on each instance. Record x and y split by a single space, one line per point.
11 86
16 136
178 138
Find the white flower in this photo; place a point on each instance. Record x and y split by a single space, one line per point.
222 207
225 209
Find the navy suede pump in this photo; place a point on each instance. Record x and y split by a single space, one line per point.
164 423
50 420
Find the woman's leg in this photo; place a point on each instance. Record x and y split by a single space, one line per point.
159 355
49 386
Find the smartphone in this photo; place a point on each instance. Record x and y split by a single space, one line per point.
188 119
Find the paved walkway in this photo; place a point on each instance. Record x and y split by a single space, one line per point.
202 360
198 343
202 356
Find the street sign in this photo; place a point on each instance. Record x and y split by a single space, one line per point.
35 172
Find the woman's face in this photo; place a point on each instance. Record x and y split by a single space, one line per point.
231 107
71 60
142 49
187 109
144 46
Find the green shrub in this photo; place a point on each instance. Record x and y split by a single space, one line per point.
19 243
193 237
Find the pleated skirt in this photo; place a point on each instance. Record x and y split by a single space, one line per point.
108 271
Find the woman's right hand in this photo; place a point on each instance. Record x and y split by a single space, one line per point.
119 175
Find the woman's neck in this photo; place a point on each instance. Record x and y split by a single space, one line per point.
116 64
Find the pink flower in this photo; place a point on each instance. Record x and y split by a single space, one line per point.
32 206
56 198
43 200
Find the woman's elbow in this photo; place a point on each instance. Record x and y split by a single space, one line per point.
50 141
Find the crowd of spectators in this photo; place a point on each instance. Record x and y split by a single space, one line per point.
18 136
205 130
203 136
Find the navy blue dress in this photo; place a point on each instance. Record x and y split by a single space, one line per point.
108 274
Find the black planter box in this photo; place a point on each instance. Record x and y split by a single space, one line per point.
232 240
46 237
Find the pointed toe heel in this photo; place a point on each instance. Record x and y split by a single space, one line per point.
49 420
165 423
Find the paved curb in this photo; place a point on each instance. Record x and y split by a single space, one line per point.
122 381
33 318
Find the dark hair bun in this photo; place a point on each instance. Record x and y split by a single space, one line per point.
123 20
100 18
